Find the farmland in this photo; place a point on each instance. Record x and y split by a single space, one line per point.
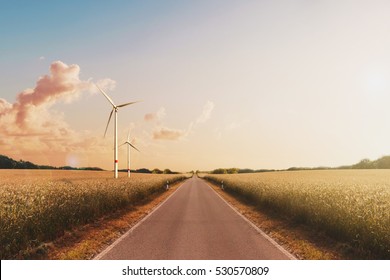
352 206
37 206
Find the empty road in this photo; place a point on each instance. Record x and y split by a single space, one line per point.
193 224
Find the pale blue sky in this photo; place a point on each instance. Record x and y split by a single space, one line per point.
292 83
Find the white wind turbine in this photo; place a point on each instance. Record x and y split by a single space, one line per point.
128 153
114 109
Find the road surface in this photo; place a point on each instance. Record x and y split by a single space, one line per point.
194 224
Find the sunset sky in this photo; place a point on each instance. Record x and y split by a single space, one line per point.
250 84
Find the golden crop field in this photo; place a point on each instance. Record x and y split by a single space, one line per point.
350 205
39 205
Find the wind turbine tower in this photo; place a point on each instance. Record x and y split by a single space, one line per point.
129 145
114 109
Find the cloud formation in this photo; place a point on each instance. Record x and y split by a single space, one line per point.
31 114
158 116
206 113
4 106
106 84
164 133
62 84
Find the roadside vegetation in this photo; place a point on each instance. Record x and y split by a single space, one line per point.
352 206
40 205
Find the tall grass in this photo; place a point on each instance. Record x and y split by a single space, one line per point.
350 205
41 206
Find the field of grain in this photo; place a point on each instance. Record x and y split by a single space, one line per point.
39 205
350 205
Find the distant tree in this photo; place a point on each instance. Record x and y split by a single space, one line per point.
46 167
344 167
26 165
382 163
91 168
143 170
67 167
157 171
6 162
363 164
265 170
232 170
246 170
219 171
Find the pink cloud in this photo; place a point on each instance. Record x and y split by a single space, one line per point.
150 117
164 133
30 111
62 83
47 131
158 116
4 106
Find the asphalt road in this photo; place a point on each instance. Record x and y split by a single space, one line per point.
194 224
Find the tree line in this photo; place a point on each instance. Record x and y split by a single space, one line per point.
9 163
381 163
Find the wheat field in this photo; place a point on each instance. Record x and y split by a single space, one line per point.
39 205
350 205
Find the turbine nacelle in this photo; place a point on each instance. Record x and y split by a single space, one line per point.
114 107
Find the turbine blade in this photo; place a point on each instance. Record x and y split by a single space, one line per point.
125 104
123 144
106 95
128 136
109 119
133 147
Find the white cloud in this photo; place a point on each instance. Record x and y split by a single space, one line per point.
233 125
105 84
158 116
206 113
164 133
